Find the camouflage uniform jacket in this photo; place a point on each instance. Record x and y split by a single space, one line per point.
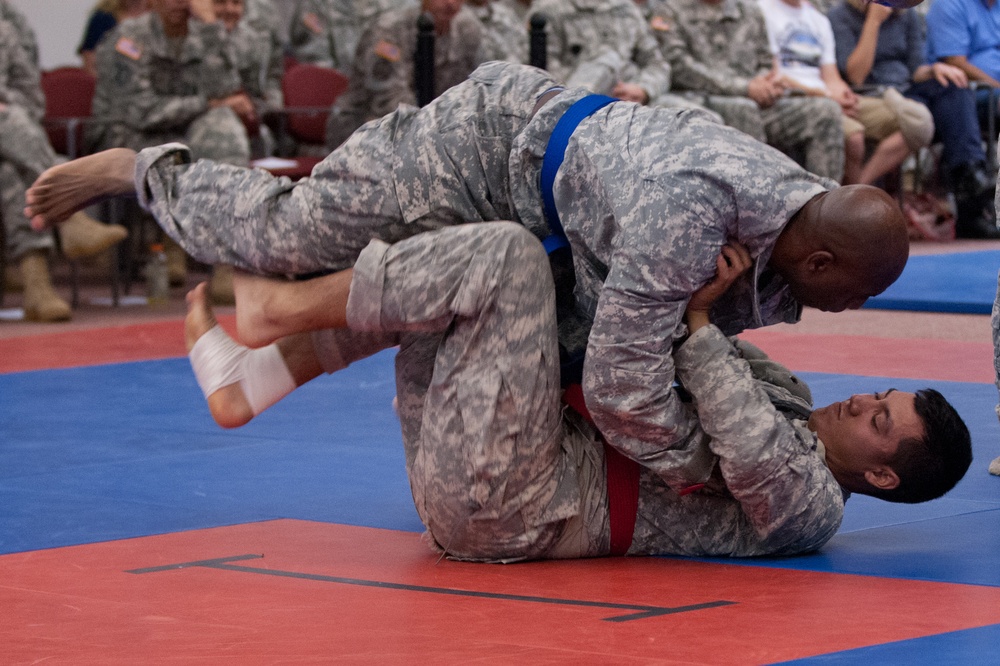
771 492
598 43
712 48
20 83
505 35
326 32
382 77
143 88
645 231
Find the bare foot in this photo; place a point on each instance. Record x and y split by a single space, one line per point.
228 405
200 319
259 317
66 188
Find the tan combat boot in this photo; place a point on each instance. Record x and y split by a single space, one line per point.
83 236
12 283
220 287
41 302
176 262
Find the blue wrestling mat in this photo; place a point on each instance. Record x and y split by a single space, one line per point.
115 452
964 283
135 453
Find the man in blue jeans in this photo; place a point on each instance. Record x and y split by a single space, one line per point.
879 48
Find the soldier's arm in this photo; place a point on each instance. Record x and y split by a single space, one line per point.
769 463
22 83
388 66
654 71
687 72
310 36
629 367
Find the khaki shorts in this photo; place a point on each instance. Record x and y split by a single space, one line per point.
875 119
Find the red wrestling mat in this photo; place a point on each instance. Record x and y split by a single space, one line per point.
97 346
946 360
313 592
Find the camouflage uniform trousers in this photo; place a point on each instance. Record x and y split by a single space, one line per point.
25 153
809 129
496 471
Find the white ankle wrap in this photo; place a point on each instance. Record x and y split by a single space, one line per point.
218 361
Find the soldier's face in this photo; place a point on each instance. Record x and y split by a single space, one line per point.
443 12
173 13
865 431
229 12
833 289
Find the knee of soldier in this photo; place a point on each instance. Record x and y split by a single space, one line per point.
826 110
521 251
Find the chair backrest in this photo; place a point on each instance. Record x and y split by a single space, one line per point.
315 88
69 94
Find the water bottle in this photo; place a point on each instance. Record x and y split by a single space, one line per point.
157 279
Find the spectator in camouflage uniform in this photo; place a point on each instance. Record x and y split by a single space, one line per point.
260 61
646 197
501 471
719 55
24 34
171 75
327 32
604 46
505 34
382 77
520 7
25 153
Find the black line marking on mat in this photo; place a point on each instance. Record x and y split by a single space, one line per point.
639 612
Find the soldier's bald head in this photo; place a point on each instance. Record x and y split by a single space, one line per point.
843 247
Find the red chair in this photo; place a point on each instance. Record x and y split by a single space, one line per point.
69 94
309 92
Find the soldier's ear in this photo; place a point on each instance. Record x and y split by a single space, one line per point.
818 261
882 477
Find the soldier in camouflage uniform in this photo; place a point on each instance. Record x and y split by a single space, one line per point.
260 61
382 77
327 32
171 75
646 197
719 52
605 46
505 33
499 470
25 153
24 34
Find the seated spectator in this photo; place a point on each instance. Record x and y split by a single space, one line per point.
327 32
171 75
605 46
802 40
260 61
880 48
24 33
521 7
505 33
103 19
382 77
24 155
720 57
